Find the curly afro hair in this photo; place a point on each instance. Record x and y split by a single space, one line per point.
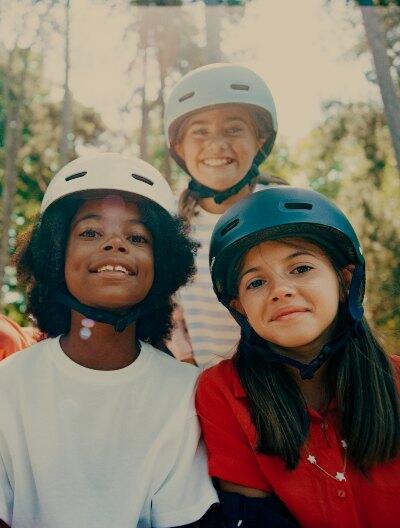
40 260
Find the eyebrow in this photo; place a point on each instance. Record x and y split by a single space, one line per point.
297 253
92 216
205 122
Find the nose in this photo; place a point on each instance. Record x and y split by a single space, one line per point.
217 141
282 288
115 243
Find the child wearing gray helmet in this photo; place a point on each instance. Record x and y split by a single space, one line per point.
220 124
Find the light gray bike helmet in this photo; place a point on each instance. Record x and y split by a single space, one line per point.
107 172
212 85
112 172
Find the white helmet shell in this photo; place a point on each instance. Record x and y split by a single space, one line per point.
218 83
111 172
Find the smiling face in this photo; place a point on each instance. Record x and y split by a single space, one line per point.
219 145
109 259
289 292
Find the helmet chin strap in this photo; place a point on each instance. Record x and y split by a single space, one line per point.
119 322
307 370
354 328
202 191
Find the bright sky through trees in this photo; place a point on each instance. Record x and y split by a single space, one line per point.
300 48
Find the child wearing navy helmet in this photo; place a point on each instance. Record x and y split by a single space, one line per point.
302 425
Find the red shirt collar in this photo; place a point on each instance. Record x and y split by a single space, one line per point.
239 392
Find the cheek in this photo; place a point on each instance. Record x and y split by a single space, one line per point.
186 150
148 263
253 307
247 151
70 263
179 149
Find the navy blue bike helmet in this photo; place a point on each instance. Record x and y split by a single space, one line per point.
276 213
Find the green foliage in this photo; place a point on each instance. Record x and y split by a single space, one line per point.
349 158
38 158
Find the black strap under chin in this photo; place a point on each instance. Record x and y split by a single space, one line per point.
199 190
306 370
253 341
119 322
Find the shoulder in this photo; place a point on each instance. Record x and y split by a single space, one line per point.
27 357
169 371
24 369
395 362
13 337
221 379
224 371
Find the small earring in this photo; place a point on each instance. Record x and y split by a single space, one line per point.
85 332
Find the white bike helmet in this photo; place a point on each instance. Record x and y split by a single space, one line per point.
108 172
112 172
216 84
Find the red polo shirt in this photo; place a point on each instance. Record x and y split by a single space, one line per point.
314 498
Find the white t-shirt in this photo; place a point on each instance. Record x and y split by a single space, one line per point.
95 449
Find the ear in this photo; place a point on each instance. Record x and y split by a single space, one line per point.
237 305
179 150
347 274
260 142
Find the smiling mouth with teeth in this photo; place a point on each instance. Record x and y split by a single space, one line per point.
217 162
117 269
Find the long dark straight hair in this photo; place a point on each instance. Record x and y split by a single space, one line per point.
360 378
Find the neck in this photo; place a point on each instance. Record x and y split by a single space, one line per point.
210 206
315 390
105 349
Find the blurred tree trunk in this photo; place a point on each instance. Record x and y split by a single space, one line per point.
13 97
15 103
213 30
66 105
376 40
162 56
144 40
144 130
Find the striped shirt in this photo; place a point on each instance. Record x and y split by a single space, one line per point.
213 331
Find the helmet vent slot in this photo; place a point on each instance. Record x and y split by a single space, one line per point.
185 97
77 175
229 227
243 87
143 179
298 205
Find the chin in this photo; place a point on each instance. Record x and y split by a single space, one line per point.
293 343
116 305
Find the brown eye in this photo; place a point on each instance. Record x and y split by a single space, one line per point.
256 283
199 131
304 268
234 130
89 233
138 239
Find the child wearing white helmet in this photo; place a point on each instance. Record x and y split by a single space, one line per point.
97 426
220 123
